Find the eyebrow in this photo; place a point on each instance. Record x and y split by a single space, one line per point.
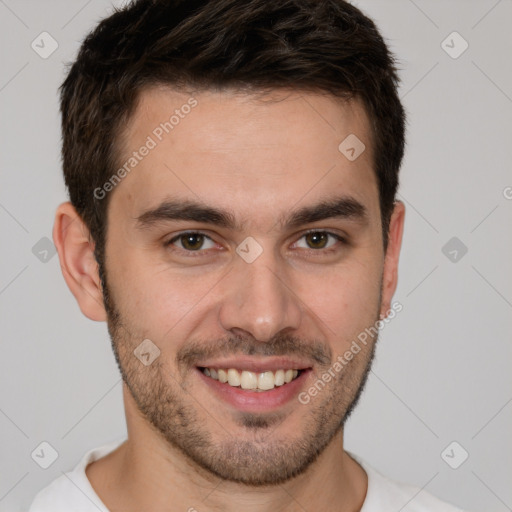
345 207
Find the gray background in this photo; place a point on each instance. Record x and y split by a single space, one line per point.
442 370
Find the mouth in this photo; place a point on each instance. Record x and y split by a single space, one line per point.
255 388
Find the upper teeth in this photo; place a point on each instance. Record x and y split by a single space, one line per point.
251 380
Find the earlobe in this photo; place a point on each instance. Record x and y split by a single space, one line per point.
390 273
78 264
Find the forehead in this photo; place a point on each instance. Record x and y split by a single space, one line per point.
256 156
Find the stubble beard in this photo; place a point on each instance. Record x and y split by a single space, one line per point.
213 444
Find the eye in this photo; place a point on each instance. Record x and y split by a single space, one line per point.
316 240
191 241
197 242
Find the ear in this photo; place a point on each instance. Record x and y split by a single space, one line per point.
77 262
390 273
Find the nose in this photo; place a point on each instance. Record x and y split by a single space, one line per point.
259 300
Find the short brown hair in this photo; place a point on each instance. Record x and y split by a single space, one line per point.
325 46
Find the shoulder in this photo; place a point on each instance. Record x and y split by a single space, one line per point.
62 495
72 491
384 494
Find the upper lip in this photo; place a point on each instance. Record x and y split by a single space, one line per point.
257 365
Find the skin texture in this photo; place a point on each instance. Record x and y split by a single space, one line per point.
260 160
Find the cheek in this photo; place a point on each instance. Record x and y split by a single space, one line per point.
157 299
345 300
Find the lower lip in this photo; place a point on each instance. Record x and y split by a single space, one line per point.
256 401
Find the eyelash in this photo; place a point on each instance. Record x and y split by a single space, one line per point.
197 253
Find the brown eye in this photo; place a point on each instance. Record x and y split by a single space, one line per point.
321 241
317 239
191 242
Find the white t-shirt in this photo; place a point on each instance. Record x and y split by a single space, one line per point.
72 492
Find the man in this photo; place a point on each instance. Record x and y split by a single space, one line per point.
232 169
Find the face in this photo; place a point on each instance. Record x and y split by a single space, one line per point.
244 242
